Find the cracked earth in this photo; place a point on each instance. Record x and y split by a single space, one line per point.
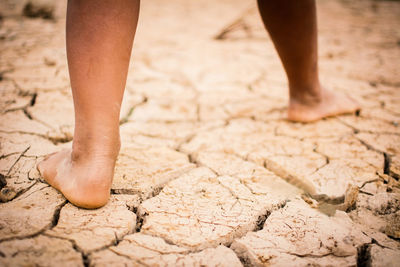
210 173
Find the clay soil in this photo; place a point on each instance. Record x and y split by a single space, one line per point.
210 171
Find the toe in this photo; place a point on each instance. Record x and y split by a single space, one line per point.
48 167
41 166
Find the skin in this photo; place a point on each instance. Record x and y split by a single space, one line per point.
292 25
99 42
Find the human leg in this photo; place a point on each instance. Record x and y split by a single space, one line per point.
99 43
292 25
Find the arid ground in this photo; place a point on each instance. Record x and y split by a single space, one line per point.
209 170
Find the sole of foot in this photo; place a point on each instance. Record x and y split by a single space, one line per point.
85 182
331 104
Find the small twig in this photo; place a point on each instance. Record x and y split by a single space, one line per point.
239 22
19 157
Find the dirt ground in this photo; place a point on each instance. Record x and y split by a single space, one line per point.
210 172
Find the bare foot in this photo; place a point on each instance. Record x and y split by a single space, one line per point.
84 180
330 104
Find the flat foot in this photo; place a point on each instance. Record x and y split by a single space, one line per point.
85 183
331 104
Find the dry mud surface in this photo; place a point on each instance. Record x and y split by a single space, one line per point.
210 170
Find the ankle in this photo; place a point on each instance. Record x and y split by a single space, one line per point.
308 96
100 146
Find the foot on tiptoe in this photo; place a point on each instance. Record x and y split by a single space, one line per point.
84 179
327 105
